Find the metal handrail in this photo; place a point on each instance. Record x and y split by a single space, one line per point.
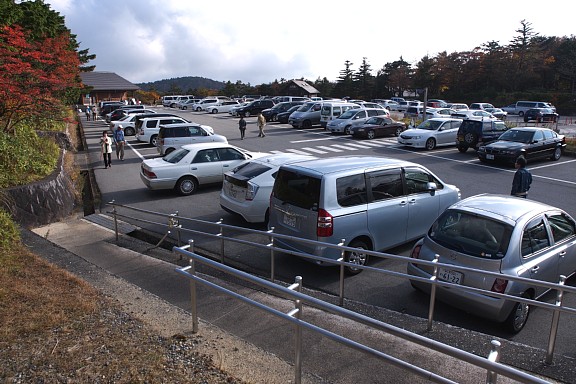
491 364
270 236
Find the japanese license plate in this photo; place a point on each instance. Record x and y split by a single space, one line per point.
453 277
489 156
290 221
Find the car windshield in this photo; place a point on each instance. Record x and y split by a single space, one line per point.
305 107
375 121
250 170
175 156
518 136
348 114
474 235
430 125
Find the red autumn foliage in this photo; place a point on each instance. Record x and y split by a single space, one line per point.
34 74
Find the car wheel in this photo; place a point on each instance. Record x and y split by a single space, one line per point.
525 119
557 154
247 114
519 316
430 144
462 149
520 113
214 111
154 140
398 131
470 138
356 257
129 131
371 134
187 185
184 107
306 124
274 118
348 130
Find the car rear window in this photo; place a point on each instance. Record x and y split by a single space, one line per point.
297 189
250 170
473 235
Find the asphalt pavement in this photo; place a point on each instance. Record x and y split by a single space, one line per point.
87 247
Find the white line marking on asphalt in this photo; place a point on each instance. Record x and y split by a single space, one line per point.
298 151
329 148
344 147
310 149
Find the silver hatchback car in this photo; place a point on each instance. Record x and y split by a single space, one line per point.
500 234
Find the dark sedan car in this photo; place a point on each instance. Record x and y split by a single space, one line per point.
271 114
378 126
540 115
283 117
533 143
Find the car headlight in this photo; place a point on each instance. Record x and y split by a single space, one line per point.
416 137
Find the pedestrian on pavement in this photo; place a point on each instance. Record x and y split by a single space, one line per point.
87 113
93 113
106 148
242 127
522 178
261 122
120 141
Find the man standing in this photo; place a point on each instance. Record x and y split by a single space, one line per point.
522 179
120 141
242 127
261 123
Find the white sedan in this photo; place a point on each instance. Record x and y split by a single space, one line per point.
221 107
431 133
473 113
246 189
185 169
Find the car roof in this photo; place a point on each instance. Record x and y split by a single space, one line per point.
502 207
444 119
198 146
178 125
346 163
283 158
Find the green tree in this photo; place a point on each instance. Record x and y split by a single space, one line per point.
364 81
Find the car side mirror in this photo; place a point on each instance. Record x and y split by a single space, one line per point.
431 187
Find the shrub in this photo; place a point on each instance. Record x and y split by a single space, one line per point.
9 234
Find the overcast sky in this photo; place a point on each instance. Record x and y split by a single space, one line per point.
257 41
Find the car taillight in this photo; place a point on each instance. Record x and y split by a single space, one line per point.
499 285
161 141
251 191
416 252
148 174
325 224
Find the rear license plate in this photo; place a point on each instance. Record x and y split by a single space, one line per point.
453 277
290 221
489 156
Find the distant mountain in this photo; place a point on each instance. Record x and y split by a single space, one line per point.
184 83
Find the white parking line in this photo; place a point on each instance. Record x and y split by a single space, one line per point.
310 140
329 148
553 164
310 149
359 145
297 151
344 147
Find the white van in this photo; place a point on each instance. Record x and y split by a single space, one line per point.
332 110
523 106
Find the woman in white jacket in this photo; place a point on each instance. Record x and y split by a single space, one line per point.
106 148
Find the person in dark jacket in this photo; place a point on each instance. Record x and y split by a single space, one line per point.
242 127
522 179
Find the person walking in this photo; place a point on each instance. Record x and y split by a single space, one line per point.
261 122
242 127
120 141
106 148
93 113
522 178
87 113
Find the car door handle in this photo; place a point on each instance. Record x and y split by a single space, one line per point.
226 165
412 201
562 253
194 168
535 269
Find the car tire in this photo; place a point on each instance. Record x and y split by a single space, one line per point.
348 130
274 118
398 131
371 134
214 111
430 144
198 109
526 119
154 140
520 113
470 138
557 154
129 131
187 185
462 148
356 257
519 316
184 108
247 114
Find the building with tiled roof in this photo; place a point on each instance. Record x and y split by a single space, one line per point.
104 86
299 88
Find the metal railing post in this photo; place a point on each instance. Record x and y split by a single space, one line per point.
221 235
193 296
298 334
433 278
114 212
272 256
555 320
342 266
494 356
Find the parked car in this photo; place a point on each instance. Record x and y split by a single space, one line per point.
540 115
246 189
499 113
202 104
188 103
532 143
431 133
473 133
174 136
283 117
353 118
378 126
222 106
480 106
147 129
119 113
438 112
374 203
234 110
185 169
506 235
458 106
473 113
510 109
254 107
437 103
386 103
128 122
270 114
306 116
402 106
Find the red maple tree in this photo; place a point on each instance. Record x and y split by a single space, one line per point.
34 75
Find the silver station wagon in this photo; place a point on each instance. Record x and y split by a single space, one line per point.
373 203
500 234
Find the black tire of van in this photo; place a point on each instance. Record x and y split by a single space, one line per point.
462 148
356 257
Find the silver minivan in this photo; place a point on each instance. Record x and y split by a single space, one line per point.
353 118
306 116
373 203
